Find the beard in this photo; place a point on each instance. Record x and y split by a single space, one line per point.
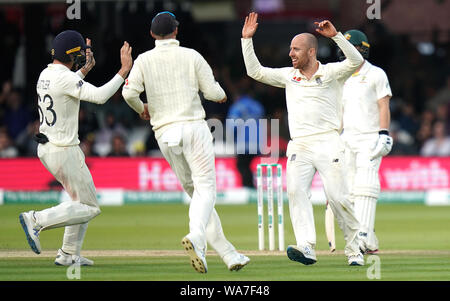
301 63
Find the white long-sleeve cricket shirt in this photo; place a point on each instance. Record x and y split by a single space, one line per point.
314 106
172 77
59 94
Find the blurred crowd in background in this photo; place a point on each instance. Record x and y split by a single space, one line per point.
418 72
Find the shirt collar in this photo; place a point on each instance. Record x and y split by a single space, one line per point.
319 72
57 66
167 42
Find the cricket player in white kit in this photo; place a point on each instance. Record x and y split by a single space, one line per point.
314 104
60 91
172 76
366 135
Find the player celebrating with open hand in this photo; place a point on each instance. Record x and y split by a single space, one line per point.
60 91
314 104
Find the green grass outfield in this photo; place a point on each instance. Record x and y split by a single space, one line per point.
142 242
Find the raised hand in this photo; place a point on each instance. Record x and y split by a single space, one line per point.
125 56
326 28
90 60
250 25
125 59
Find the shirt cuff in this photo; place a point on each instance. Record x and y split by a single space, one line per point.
338 36
80 74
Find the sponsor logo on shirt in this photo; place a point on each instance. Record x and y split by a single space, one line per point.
80 83
319 81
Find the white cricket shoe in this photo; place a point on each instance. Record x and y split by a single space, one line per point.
235 261
356 260
198 260
302 254
65 259
31 230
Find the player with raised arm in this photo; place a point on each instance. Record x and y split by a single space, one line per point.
314 105
172 76
59 91
366 135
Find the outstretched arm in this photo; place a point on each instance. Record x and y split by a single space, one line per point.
99 95
271 76
354 58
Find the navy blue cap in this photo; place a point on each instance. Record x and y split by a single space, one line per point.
164 23
67 42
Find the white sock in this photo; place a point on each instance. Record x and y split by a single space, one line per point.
73 238
215 236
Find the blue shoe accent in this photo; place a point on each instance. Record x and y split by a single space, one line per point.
295 255
29 239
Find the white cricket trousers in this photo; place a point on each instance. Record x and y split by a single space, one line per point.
323 153
364 182
191 157
67 165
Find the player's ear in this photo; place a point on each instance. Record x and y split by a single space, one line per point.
152 34
176 31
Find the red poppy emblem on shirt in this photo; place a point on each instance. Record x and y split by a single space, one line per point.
297 79
126 82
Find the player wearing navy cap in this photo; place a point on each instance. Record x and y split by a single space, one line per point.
172 76
59 92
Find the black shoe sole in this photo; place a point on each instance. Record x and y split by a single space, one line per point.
296 255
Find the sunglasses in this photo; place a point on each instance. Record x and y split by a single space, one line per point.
164 12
